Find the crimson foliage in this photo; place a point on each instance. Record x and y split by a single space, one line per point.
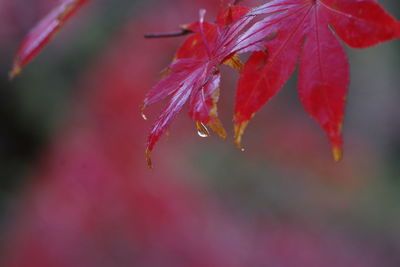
278 34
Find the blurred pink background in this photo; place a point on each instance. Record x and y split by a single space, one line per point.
76 191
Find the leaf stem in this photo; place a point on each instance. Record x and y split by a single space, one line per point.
168 34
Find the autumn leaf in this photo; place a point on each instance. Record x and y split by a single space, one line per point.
42 33
286 32
194 76
309 31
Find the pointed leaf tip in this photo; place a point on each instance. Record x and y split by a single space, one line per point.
216 125
337 154
239 131
235 63
15 72
148 159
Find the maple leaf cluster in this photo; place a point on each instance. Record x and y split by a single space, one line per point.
280 34
90 201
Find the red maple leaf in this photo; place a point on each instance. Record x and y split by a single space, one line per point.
286 31
194 76
42 33
308 30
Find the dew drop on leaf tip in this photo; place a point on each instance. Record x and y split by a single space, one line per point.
202 130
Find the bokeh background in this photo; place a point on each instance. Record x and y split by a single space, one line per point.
75 189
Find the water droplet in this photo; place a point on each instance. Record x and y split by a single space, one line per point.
144 116
202 130
201 134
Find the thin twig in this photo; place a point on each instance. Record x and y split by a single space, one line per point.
168 35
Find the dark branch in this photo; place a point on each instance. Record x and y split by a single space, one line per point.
168 35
